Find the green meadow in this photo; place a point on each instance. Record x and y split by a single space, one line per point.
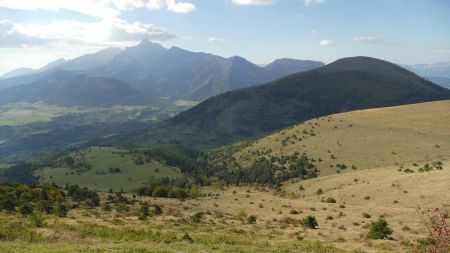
130 177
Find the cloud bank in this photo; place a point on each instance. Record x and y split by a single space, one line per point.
97 8
254 2
68 32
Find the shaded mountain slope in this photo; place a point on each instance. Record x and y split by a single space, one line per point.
347 84
172 73
71 89
180 74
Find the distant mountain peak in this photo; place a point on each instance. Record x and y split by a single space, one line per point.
239 60
369 65
283 60
290 61
144 42
54 64
148 44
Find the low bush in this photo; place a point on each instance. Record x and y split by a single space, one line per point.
310 222
380 230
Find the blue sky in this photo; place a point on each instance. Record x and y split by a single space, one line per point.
33 33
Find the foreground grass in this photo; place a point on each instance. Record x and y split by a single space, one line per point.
155 247
88 235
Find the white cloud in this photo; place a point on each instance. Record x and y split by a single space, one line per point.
171 5
310 2
66 32
326 43
366 39
254 2
123 31
128 4
10 38
101 9
214 39
96 8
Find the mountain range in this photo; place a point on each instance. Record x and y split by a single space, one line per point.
153 71
344 85
66 88
438 73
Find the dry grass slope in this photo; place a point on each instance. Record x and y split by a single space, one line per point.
372 138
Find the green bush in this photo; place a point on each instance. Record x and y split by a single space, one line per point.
310 222
251 219
197 217
380 230
156 210
61 209
319 191
328 200
144 211
26 209
187 237
37 219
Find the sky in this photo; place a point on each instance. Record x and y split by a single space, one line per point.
35 32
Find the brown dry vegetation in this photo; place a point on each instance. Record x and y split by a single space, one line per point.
388 146
366 139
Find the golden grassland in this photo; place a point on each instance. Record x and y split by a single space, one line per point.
364 139
343 225
389 149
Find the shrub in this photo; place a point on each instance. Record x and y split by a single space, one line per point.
144 211
177 193
436 221
319 191
329 200
26 209
242 216
187 237
156 209
160 191
310 222
106 207
61 209
197 217
37 219
380 230
251 219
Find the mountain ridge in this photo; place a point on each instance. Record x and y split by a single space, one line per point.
67 88
173 73
340 86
